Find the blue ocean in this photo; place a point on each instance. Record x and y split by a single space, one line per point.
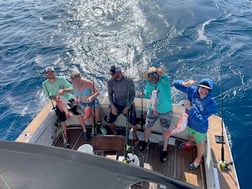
193 39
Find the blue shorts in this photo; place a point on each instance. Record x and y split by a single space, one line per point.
164 118
94 104
131 114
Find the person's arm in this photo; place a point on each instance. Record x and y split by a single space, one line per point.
66 87
147 90
45 89
47 92
184 86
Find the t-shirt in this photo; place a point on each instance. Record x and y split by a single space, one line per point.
51 89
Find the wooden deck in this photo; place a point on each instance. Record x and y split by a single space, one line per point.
228 178
175 166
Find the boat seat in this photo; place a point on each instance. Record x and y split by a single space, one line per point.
109 144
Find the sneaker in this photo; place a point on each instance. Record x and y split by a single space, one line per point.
183 146
103 131
98 128
66 145
163 156
94 131
85 136
144 146
192 166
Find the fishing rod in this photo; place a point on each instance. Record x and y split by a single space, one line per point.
128 148
95 126
224 165
142 120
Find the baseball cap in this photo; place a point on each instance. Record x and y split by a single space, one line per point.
49 68
114 69
205 84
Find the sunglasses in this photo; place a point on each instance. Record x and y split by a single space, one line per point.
153 74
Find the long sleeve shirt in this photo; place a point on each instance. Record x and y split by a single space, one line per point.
201 109
121 92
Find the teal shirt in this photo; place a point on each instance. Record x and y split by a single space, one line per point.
51 89
163 86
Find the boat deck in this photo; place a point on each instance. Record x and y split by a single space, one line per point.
175 166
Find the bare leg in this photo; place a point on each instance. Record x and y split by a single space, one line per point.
190 141
200 152
82 123
113 129
147 133
165 141
98 114
64 128
134 128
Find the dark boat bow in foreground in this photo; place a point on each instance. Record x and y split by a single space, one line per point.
33 166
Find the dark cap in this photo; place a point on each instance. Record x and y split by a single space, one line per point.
205 84
114 69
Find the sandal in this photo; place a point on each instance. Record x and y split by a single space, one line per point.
66 145
192 166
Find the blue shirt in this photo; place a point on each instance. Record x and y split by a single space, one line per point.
201 110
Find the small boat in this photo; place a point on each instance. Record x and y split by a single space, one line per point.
37 158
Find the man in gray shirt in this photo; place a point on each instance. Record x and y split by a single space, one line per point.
121 94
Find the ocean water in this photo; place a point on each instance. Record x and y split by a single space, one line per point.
192 39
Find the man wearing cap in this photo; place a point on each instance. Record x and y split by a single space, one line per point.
121 94
158 90
56 86
199 106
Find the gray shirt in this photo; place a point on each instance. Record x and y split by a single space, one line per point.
121 92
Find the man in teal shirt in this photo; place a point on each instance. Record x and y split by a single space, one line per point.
158 90
56 86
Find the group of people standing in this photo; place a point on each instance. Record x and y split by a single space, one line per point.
199 105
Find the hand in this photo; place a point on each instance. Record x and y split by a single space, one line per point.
77 101
89 99
189 83
187 104
58 98
141 94
60 92
125 110
160 72
114 110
